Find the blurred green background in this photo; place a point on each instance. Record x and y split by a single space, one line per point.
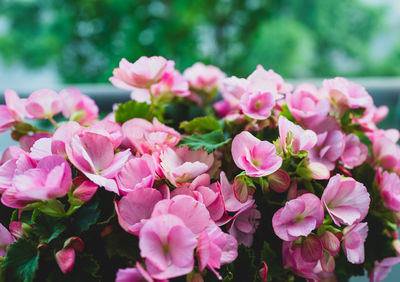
83 40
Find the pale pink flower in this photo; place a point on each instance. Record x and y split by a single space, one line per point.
346 200
93 154
260 77
386 152
5 239
347 93
50 179
318 171
13 112
204 77
26 142
306 105
167 245
298 217
258 158
353 242
329 148
295 137
172 82
141 74
233 89
390 190
257 102
136 207
133 274
354 153
182 165
245 223
43 103
381 269
78 107
63 135
109 129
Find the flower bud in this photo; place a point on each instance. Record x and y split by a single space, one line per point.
279 181
318 171
330 242
264 271
311 248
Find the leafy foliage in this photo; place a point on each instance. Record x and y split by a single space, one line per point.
201 124
208 142
130 110
86 216
47 228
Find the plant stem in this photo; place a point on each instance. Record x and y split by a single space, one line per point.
53 122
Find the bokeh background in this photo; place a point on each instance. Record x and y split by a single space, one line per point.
49 43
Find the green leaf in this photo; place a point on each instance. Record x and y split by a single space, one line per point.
47 228
130 110
287 114
201 124
21 261
209 141
86 216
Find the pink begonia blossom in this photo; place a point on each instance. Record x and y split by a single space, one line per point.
147 137
346 200
392 134
381 269
167 245
245 223
294 136
172 82
260 77
258 158
354 153
84 189
257 102
5 239
78 107
26 142
298 217
13 112
222 108
136 173
43 104
354 237
182 165
141 74
133 274
233 89
93 154
136 207
329 148
231 203
109 129
306 105
386 152
390 190
215 248
62 137
204 77
50 179
311 248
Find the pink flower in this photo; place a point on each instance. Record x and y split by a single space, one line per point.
62 137
78 107
293 259
13 112
329 148
295 137
353 242
43 104
5 239
386 152
231 203
245 223
133 274
279 181
257 102
136 173
233 90
390 190
346 200
167 245
26 142
256 157
84 190
346 93
136 207
298 217
306 105
109 129
50 179
204 78
141 74
355 152
382 269
260 77
93 154
65 259
172 82
183 165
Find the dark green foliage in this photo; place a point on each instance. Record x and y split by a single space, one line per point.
130 110
208 142
47 228
86 216
201 124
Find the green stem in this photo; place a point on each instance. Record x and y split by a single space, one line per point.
53 122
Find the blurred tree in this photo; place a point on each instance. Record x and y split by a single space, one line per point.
85 39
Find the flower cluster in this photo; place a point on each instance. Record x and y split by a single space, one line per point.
202 175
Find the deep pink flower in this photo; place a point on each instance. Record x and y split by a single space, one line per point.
84 190
167 245
136 207
354 153
295 137
141 74
329 148
256 157
78 107
43 103
353 242
65 259
93 154
5 239
381 269
13 112
298 217
257 102
390 190
346 200
50 179
203 77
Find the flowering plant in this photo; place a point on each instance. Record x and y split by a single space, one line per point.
200 176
